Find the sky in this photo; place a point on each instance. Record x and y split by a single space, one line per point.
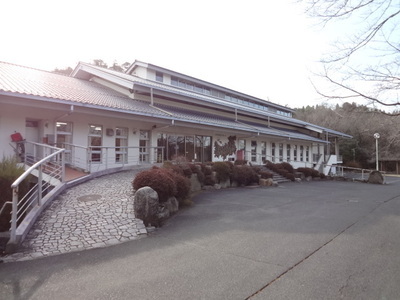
266 49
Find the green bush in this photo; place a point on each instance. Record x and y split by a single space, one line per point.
9 172
244 175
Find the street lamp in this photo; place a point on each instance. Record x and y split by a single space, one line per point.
377 136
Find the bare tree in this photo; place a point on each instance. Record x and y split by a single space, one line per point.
366 64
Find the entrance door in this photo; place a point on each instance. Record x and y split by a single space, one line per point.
31 135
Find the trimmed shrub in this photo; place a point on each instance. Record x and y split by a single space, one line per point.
197 169
271 166
240 162
182 187
244 175
209 180
309 172
159 179
288 167
223 170
266 174
290 176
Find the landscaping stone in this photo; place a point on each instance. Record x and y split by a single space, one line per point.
195 185
375 177
172 205
266 182
146 205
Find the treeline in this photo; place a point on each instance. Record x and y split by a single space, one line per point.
362 123
97 62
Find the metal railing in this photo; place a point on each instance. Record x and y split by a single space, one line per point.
258 158
354 173
98 158
49 171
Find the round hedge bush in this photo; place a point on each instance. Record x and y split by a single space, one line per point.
159 179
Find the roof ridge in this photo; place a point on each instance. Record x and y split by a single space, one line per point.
31 68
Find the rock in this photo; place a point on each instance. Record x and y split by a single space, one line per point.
162 215
266 182
375 177
225 184
172 205
195 184
146 206
217 186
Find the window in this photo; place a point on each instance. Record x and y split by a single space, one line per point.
301 153
121 143
273 152
280 152
254 151
64 134
307 153
143 144
295 152
288 154
263 151
95 142
159 77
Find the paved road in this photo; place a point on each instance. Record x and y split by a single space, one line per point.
311 240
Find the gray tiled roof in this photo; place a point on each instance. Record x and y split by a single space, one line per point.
30 83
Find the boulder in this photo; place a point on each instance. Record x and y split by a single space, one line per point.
171 204
146 206
266 182
195 184
375 177
225 184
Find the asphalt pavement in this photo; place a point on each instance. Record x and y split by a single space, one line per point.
308 240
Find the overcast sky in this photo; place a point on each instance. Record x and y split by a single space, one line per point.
262 48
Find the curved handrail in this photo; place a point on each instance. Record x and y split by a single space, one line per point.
30 169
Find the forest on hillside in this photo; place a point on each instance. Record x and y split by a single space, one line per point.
362 123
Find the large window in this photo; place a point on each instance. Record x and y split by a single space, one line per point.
191 147
254 151
64 134
280 152
288 154
273 152
95 142
295 152
307 153
263 151
301 153
121 143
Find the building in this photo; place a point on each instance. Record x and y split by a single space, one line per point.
108 119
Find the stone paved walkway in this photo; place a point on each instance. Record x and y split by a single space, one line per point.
93 214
